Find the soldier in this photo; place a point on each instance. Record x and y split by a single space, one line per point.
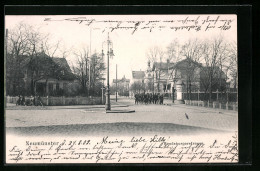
142 98
146 98
158 98
136 98
161 99
155 98
150 98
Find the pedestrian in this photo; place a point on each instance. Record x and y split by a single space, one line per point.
39 100
18 101
23 101
136 98
162 98
32 100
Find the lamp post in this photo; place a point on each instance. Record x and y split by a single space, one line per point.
109 54
116 82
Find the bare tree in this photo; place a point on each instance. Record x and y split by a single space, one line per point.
17 47
192 52
81 68
38 47
137 87
97 71
223 67
156 54
173 51
49 47
212 53
233 63
65 52
30 53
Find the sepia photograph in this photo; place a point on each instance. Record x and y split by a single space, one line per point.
121 89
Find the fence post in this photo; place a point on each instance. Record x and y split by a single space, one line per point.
227 95
220 105
217 94
208 103
63 100
77 99
234 106
47 101
198 95
214 104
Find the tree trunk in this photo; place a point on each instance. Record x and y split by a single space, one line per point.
210 88
190 90
187 89
158 85
46 88
32 85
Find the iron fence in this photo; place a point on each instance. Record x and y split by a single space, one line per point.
222 97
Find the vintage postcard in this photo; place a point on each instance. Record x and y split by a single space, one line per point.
121 89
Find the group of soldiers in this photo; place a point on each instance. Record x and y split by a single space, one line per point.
33 101
149 98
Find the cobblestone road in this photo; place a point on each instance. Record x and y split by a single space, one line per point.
93 115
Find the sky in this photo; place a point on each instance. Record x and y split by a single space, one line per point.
129 46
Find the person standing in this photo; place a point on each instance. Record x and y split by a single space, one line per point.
23 101
18 101
39 100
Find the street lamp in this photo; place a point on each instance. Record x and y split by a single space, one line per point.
110 53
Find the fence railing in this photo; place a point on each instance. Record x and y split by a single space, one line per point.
215 96
60 101
215 104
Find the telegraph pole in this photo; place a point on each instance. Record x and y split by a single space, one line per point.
108 105
6 42
116 82
89 73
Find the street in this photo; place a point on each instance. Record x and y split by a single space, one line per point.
92 120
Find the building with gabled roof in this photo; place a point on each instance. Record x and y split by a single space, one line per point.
122 86
39 74
166 74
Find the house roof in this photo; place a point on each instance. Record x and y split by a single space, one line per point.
188 60
43 58
121 80
138 74
171 65
163 65
62 62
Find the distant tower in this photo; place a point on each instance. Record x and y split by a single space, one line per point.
149 69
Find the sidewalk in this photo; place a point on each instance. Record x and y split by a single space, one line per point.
201 108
